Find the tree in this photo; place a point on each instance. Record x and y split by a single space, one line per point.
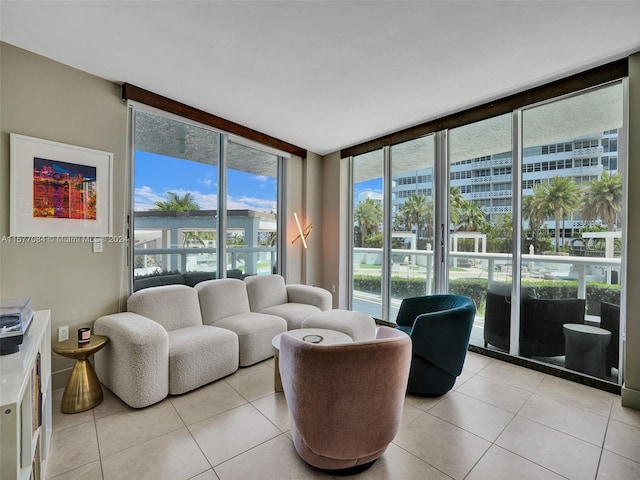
190 237
417 210
176 203
561 196
603 199
471 217
500 235
368 215
535 211
456 204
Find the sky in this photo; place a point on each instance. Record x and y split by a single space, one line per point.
155 175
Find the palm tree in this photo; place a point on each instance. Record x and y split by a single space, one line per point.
603 199
471 217
456 204
534 210
368 215
418 211
190 236
561 196
176 203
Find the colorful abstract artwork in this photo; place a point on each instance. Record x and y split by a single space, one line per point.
63 190
59 191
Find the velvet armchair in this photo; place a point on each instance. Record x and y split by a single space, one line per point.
345 401
439 327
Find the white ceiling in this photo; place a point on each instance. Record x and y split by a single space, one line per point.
324 75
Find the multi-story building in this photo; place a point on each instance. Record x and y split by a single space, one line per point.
488 180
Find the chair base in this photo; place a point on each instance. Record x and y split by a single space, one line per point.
344 472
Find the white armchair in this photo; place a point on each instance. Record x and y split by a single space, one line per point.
269 294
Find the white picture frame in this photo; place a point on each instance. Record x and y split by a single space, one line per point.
59 190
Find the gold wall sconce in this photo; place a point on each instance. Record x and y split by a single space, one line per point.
303 233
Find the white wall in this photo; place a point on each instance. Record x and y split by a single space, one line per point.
45 99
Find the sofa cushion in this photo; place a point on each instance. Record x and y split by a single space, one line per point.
221 299
357 325
266 291
255 332
172 306
293 313
199 355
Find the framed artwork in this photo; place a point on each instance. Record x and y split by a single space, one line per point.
59 190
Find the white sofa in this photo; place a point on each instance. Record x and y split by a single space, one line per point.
176 338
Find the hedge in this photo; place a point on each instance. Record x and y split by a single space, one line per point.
476 289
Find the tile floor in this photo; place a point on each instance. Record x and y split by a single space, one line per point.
501 421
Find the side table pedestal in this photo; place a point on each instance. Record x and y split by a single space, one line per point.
83 390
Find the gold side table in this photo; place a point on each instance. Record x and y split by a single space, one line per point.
83 390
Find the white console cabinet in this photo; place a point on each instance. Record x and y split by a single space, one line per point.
25 404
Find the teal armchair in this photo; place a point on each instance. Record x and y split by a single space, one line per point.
439 327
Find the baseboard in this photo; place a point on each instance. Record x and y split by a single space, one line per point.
630 398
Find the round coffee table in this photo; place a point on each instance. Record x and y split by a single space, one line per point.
321 336
83 390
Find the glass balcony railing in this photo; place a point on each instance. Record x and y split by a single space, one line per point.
592 279
247 260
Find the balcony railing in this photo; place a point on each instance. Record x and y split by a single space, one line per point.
491 266
250 260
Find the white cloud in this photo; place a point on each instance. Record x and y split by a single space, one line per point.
207 182
252 203
145 197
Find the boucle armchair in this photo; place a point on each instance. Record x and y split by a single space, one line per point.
345 400
160 347
268 294
439 327
224 304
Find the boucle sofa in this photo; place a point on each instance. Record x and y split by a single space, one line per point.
176 338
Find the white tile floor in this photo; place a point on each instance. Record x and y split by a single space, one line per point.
500 422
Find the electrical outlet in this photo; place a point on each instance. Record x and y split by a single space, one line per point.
63 333
333 289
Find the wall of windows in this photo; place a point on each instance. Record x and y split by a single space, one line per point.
205 205
535 209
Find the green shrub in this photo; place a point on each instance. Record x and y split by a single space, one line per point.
476 289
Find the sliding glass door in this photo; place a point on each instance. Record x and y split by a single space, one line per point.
481 222
573 232
534 231
368 267
412 221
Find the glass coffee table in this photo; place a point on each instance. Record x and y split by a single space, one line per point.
321 336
